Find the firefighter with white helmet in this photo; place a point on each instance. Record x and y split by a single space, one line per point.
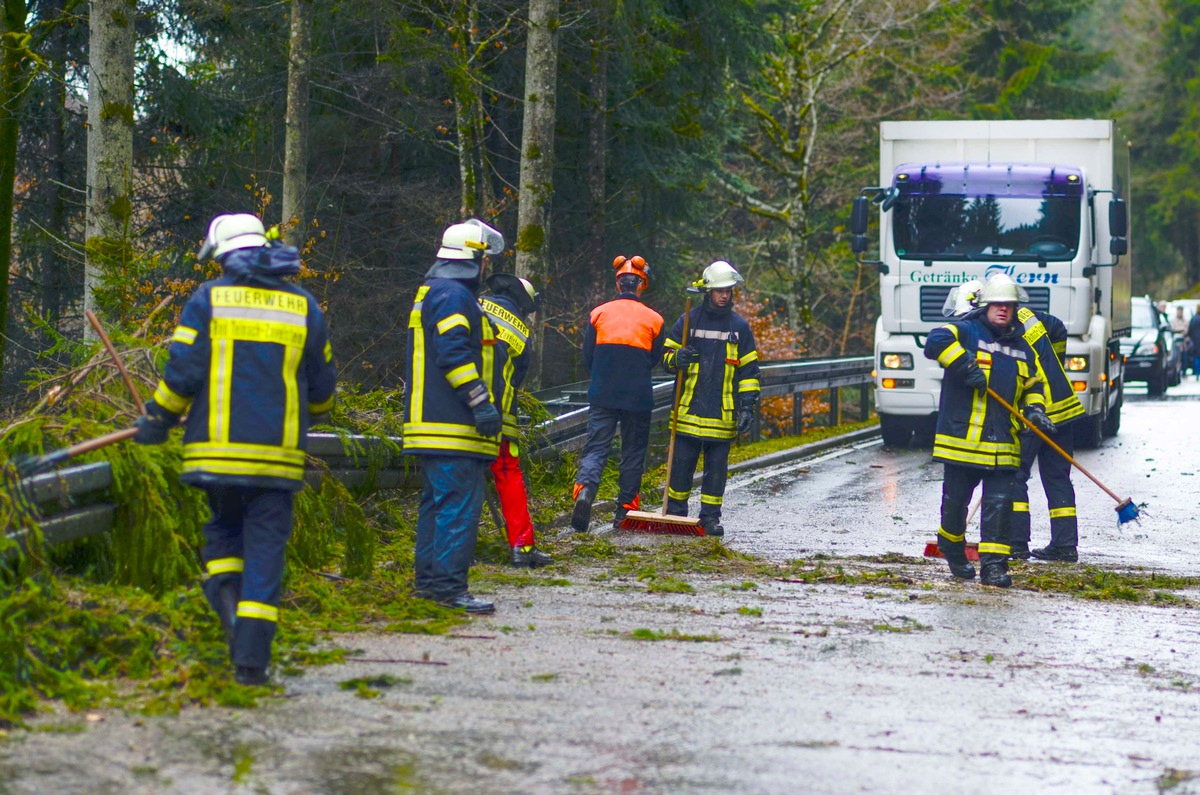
450 418
250 364
720 392
976 437
508 308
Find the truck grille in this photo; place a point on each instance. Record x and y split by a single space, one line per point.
933 298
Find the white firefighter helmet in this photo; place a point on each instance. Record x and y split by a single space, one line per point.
470 239
719 275
962 298
230 232
1001 289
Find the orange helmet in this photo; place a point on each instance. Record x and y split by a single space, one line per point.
634 265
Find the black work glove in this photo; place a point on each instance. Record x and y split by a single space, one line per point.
155 425
487 418
686 355
1040 421
747 408
972 377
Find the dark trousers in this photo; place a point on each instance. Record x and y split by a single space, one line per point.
635 439
683 468
996 520
244 544
1055 472
448 523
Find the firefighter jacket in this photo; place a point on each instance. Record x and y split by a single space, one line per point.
1047 335
621 346
451 348
250 362
511 359
726 372
973 429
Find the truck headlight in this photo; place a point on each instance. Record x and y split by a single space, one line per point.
896 361
1077 364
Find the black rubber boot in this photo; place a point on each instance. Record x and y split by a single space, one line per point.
618 517
995 574
1062 554
530 559
962 570
712 527
581 514
472 604
1019 552
253 677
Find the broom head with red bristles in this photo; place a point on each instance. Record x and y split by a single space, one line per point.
649 522
932 550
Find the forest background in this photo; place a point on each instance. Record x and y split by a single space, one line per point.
682 130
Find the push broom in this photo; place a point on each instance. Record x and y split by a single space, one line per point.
661 522
1126 510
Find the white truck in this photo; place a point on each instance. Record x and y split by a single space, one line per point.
1042 201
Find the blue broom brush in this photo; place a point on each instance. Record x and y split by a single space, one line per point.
1126 510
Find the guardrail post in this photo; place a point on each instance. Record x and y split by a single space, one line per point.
835 406
864 404
797 413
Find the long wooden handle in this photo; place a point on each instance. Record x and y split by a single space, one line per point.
137 397
679 376
1050 442
100 441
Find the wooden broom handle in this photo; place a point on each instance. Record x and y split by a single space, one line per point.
679 376
1050 442
101 441
137 397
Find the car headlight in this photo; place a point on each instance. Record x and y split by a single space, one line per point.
1077 364
896 361
1146 349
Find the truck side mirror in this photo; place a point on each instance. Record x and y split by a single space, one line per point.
858 215
1118 246
1118 224
858 244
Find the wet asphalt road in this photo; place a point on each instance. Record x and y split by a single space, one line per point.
936 688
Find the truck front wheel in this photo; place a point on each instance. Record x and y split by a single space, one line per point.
896 431
1087 432
1112 422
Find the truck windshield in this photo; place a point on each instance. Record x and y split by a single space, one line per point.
987 212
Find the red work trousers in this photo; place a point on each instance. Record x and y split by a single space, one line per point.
514 502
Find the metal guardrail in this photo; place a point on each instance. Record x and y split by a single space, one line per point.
71 503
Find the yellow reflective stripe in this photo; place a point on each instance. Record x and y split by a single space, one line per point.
953 351
991 548
462 375
184 334
1059 513
218 466
220 390
727 383
944 533
1059 347
678 495
258 610
242 451
988 454
504 316
749 385
708 499
457 319
416 377
1020 507
513 449
322 407
291 405
487 447
752 356
256 298
224 566
171 400
293 336
672 344
488 357
328 351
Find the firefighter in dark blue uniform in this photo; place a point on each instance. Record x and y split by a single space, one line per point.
976 437
1047 335
720 393
450 419
251 364
512 300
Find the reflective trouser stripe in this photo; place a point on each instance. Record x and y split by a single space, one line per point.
951 536
1020 507
257 610
678 495
991 548
708 499
224 566
1058 513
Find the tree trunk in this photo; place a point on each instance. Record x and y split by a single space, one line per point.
295 144
537 153
109 145
53 263
12 83
598 135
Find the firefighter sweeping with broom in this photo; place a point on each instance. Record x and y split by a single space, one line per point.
976 436
512 300
251 364
621 346
720 392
